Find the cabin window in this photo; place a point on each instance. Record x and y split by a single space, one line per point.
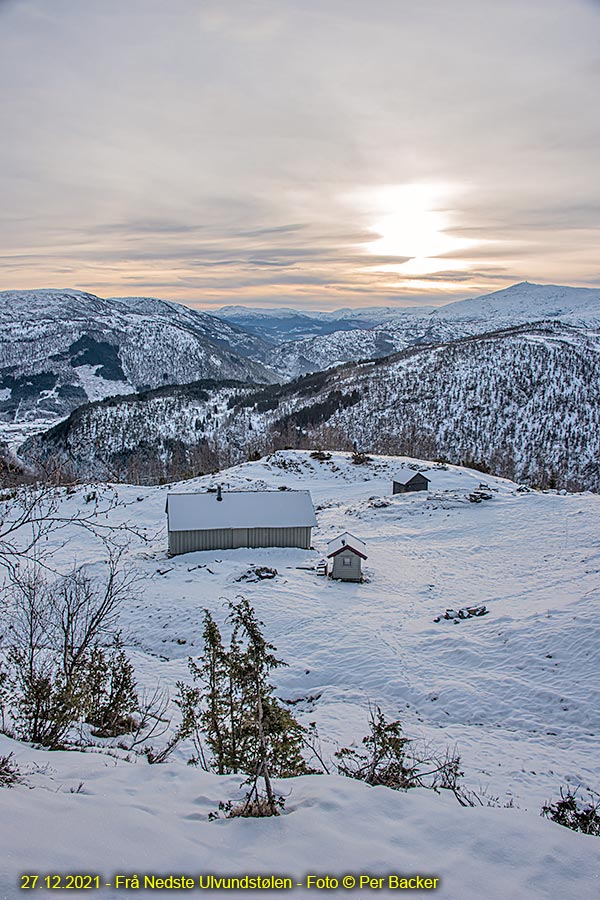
347 560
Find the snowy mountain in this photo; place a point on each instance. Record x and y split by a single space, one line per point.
516 693
521 402
281 324
59 349
526 302
516 305
314 354
521 399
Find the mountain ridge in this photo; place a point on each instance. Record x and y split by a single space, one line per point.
520 402
516 305
583 301
59 349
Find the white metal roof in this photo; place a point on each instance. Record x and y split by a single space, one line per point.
240 509
408 475
346 540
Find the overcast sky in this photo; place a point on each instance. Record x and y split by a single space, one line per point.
316 153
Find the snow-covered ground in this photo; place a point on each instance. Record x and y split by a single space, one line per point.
516 691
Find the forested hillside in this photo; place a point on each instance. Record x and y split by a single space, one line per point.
521 402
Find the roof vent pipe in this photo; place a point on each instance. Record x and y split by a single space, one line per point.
219 494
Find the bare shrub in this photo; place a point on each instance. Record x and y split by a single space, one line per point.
29 514
152 722
573 812
251 807
389 758
57 674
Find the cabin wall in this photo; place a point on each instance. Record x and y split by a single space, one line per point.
419 484
351 571
233 538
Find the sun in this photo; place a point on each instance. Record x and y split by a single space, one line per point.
414 221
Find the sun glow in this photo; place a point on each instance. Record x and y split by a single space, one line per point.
414 221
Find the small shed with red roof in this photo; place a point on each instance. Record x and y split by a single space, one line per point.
345 554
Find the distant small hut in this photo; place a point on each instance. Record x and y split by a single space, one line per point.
345 554
223 520
410 481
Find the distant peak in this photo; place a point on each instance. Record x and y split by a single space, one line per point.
522 284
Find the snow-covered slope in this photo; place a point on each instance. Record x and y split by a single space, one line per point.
517 692
225 334
522 402
313 354
281 324
517 305
127 819
527 302
59 349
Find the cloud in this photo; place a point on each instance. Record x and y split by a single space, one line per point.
139 226
274 230
216 147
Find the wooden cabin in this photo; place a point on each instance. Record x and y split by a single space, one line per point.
410 481
345 555
226 520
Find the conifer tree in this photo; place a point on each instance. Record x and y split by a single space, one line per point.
111 698
216 716
245 727
252 670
